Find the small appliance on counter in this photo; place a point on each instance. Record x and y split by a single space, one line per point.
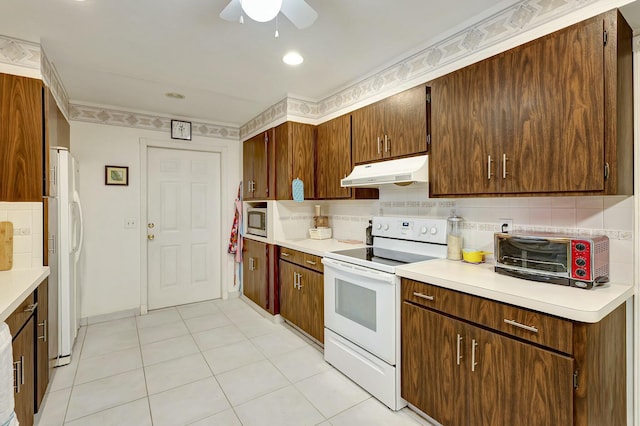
553 258
257 220
320 230
6 246
454 237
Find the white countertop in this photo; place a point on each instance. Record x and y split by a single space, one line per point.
319 247
16 285
567 302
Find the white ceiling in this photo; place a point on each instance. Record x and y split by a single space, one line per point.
128 53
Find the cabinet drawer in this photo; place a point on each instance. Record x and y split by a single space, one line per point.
537 327
313 262
292 256
21 315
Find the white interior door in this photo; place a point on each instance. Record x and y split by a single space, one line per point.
183 226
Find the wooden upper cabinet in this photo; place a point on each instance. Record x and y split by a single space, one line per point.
333 157
257 156
21 138
393 127
542 118
295 158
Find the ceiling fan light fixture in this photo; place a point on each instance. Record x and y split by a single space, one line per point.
261 10
292 58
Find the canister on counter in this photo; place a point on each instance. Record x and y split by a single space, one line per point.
454 237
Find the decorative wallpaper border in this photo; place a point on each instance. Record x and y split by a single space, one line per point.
509 22
116 117
19 52
52 79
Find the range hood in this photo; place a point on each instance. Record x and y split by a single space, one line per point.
401 171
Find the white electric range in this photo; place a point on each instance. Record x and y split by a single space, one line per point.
362 301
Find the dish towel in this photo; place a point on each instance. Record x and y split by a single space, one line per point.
7 415
235 242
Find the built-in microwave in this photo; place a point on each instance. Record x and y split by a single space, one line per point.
558 259
257 221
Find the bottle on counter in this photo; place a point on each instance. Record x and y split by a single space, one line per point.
454 237
368 240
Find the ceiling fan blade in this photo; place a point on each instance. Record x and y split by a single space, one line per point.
299 12
232 12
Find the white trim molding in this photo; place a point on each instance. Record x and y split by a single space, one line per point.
115 117
516 24
53 81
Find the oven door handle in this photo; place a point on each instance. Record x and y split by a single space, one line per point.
358 270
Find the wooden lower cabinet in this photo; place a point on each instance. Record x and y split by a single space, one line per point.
258 283
302 296
43 335
24 372
464 373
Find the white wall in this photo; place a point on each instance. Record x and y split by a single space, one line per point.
110 267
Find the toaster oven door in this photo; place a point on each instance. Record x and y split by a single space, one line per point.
538 255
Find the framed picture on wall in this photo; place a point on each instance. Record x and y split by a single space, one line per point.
116 175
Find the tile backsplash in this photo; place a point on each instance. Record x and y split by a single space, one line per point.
27 232
590 215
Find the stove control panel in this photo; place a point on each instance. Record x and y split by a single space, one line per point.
427 230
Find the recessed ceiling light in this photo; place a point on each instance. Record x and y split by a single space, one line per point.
174 95
292 58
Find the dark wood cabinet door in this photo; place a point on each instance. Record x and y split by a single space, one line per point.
515 383
295 153
368 133
21 138
555 103
42 342
247 167
24 391
333 157
255 272
289 297
313 289
405 118
432 379
467 128
261 166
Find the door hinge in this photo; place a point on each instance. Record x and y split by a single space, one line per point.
606 171
428 140
605 37
428 97
575 379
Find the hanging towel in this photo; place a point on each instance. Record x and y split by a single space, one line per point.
7 415
235 242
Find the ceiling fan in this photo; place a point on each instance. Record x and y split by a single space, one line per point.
297 11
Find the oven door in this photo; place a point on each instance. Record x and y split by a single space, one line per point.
360 305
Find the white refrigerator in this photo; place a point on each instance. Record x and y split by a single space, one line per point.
65 245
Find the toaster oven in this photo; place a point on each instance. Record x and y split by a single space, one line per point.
553 258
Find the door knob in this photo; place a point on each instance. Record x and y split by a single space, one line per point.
150 237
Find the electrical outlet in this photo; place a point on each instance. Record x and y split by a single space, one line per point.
130 222
506 225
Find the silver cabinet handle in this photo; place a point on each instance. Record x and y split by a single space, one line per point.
285 254
251 268
32 307
517 324
386 144
379 148
489 174
311 262
22 370
474 345
16 377
43 324
504 166
422 296
458 354
295 280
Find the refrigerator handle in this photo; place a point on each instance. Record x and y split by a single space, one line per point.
76 198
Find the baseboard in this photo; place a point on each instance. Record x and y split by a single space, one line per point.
109 317
277 319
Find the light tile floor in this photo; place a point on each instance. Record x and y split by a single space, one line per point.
210 363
